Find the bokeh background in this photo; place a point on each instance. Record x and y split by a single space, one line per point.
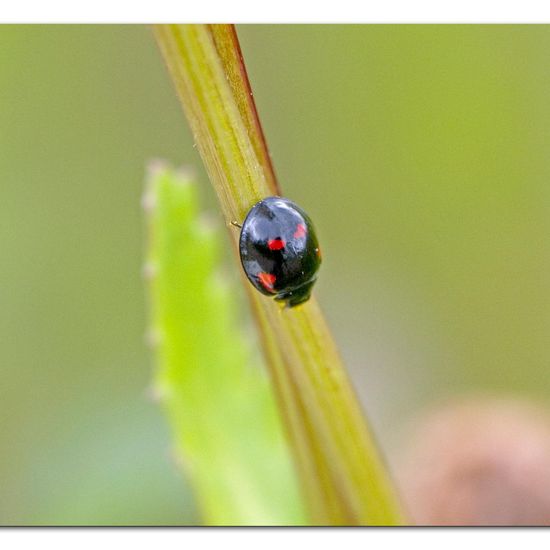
421 152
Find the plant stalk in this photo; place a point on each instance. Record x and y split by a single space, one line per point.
344 479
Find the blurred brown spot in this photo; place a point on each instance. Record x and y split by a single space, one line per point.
479 462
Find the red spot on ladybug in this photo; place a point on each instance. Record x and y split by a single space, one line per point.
300 232
276 244
267 280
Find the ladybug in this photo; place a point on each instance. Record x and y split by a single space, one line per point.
279 250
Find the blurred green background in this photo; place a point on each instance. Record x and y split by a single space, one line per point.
421 152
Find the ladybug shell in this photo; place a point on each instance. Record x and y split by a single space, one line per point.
279 250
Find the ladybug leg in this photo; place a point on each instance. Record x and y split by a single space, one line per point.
234 223
296 296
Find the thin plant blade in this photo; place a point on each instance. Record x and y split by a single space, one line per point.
344 479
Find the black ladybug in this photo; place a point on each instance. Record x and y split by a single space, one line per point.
279 250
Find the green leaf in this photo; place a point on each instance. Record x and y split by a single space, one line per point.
218 400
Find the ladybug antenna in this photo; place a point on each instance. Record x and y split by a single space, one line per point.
236 224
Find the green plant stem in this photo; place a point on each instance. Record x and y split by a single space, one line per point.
344 480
